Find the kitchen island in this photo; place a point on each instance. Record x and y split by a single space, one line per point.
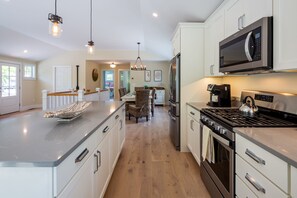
40 157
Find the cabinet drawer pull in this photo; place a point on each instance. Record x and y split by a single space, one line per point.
117 117
99 153
192 113
254 157
255 184
191 125
82 156
105 129
97 166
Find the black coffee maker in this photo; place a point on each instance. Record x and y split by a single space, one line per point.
219 95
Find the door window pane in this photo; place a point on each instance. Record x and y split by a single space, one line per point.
125 80
9 81
108 82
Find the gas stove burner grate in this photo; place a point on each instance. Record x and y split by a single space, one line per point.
235 118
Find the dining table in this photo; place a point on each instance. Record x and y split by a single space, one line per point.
130 97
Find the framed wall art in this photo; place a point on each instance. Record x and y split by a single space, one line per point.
158 75
147 76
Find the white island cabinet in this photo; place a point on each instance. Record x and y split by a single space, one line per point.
294 181
84 171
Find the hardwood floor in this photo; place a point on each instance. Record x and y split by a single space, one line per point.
149 165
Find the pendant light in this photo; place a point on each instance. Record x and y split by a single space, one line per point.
91 46
112 65
55 23
136 66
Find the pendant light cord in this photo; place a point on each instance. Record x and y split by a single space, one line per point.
55 7
91 21
138 49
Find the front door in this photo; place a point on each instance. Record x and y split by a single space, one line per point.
9 88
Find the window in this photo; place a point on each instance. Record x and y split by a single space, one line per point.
29 72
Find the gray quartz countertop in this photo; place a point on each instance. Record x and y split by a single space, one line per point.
279 141
31 140
198 105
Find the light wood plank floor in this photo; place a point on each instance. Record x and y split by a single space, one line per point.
149 166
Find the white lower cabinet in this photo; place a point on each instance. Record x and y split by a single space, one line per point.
255 181
293 182
242 190
101 167
193 133
160 97
259 171
81 185
97 164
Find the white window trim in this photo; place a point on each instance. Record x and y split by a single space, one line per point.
29 78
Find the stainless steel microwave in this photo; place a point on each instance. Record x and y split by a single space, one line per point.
249 50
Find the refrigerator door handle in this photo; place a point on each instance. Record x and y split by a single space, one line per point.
170 81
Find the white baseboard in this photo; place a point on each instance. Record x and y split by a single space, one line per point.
25 108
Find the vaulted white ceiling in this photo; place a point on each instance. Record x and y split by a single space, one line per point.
117 25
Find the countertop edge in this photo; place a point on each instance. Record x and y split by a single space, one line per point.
267 148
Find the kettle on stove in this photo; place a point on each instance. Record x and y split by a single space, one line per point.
247 107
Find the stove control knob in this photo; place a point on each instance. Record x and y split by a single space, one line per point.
211 123
204 118
223 131
218 127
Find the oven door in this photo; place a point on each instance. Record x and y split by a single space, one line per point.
221 167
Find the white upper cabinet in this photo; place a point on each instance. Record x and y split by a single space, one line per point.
285 31
176 42
214 33
241 13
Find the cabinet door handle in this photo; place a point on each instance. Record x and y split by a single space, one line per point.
123 109
254 157
121 121
255 184
97 166
238 23
191 125
117 117
82 156
99 153
192 113
211 70
105 129
242 21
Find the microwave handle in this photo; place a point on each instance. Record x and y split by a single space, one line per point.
247 46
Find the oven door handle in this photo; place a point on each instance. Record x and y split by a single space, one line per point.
220 139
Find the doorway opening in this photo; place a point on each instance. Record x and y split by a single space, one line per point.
9 88
108 82
124 79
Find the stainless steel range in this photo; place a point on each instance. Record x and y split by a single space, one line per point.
217 171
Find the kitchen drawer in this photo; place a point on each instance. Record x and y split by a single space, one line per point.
116 116
274 168
193 113
67 169
242 191
294 181
244 170
104 129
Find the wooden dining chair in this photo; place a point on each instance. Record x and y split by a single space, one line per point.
122 92
141 107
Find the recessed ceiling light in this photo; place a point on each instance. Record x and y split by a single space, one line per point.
25 51
155 14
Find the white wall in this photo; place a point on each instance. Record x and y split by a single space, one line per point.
137 77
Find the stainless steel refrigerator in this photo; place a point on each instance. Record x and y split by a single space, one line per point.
174 100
